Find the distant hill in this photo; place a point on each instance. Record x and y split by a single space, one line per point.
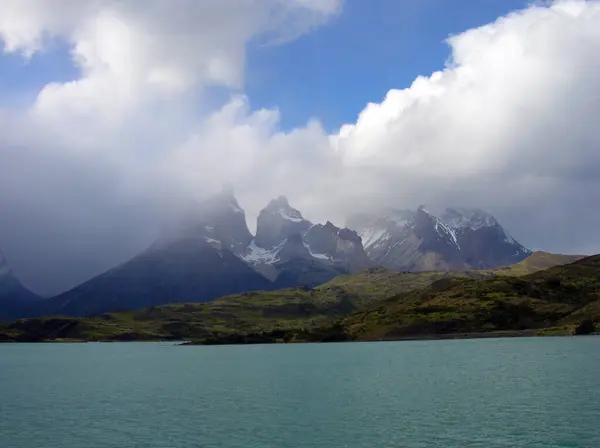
537 261
248 312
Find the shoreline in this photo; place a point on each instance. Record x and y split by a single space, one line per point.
407 338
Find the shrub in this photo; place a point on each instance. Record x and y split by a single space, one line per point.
585 327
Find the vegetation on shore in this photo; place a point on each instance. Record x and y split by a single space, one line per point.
376 304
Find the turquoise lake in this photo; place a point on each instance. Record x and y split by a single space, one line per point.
528 392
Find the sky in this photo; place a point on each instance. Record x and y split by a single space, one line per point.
115 113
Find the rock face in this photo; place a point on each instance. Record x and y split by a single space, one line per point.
483 240
278 221
219 220
291 251
15 300
340 246
405 240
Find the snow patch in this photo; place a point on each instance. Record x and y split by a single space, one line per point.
214 243
468 218
290 215
315 255
390 249
443 230
371 236
258 255
236 209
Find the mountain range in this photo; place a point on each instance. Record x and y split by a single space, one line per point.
545 293
461 238
210 252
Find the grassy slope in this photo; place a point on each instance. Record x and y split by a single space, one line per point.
537 261
559 297
251 312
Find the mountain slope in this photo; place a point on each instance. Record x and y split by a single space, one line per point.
483 241
404 240
191 261
186 270
15 300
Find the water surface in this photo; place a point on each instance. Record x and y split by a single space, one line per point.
530 392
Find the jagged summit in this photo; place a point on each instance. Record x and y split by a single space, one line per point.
472 218
279 201
281 206
278 221
221 202
341 246
433 231
419 240
218 220
288 244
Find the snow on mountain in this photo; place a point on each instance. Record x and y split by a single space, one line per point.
443 230
460 238
259 255
277 222
290 214
317 255
371 236
285 240
471 218
340 246
377 230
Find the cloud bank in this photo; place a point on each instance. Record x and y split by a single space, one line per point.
89 170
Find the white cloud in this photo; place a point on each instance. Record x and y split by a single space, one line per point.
128 51
509 124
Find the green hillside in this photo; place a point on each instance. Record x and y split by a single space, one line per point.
537 261
559 298
258 312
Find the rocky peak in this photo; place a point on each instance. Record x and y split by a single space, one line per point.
350 235
434 233
279 202
218 220
277 222
338 245
462 238
468 218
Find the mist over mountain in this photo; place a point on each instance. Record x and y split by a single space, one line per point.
208 252
15 299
